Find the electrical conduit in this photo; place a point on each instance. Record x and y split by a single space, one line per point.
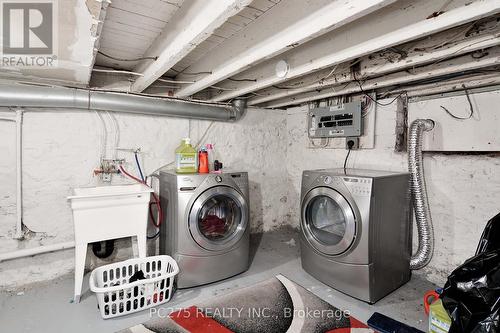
419 194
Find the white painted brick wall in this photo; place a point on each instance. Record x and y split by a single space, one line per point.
62 148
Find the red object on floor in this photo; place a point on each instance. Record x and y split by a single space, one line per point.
193 320
355 325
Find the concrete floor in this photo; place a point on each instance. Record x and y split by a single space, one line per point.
47 307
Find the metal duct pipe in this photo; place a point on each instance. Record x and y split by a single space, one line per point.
57 97
419 194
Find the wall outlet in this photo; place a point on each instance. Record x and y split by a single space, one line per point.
354 140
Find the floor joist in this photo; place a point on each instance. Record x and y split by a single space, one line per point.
396 35
331 16
416 54
457 65
190 27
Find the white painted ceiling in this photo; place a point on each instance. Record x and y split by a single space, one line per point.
131 26
224 49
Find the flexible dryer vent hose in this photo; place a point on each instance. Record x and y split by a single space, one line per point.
419 194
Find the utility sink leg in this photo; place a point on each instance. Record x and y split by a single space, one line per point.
80 256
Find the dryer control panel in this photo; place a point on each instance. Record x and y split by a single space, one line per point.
358 186
355 185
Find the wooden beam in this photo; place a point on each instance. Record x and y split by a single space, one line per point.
275 41
376 32
99 10
457 65
194 22
470 81
429 50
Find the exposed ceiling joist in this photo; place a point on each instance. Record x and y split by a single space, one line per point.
100 11
399 31
426 51
283 36
469 81
232 26
461 64
193 24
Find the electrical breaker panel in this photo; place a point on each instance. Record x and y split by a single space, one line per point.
335 121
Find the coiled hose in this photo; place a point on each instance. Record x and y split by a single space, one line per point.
419 194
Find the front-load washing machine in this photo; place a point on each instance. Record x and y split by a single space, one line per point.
206 225
355 230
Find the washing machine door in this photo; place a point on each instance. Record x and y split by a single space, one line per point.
218 218
328 221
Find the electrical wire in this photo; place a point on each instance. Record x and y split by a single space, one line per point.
366 107
471 108
302 84
345 161
154 236
184 73
155 197
368 95
190 100
116 71
123 59
175 81
151 216
242 80
222 88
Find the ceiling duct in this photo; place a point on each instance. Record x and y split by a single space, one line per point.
58 97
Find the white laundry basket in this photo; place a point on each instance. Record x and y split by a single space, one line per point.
116 296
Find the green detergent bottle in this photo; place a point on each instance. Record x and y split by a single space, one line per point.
439 321
186 157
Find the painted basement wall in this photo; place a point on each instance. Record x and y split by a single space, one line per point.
61 149
464 190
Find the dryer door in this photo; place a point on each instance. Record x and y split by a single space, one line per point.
328 221
218 218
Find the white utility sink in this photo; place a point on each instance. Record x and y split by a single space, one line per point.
108 212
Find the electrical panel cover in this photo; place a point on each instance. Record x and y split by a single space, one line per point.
335 121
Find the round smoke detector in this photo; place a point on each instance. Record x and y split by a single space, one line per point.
282 68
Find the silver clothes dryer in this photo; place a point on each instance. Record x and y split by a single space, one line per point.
355 230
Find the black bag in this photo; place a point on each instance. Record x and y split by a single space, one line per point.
490 239
471 296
